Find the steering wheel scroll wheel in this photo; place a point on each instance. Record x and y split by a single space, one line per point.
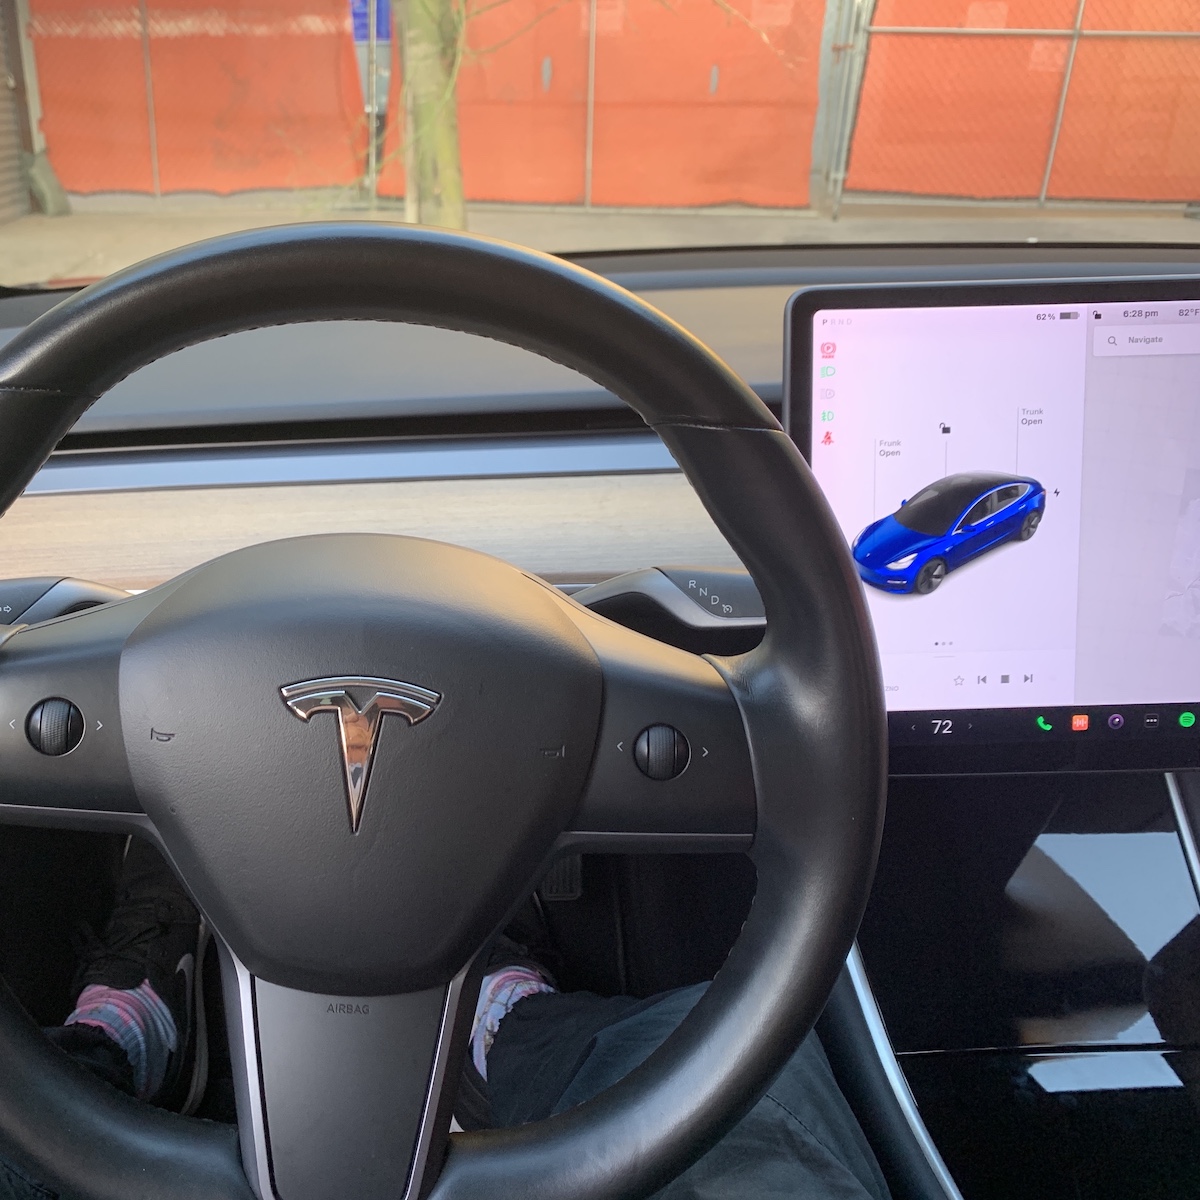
379 743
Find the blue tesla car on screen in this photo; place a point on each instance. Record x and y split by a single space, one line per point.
945 525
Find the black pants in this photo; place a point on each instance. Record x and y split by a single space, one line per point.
91 1048
800 1142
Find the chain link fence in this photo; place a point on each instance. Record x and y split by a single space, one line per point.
1026 100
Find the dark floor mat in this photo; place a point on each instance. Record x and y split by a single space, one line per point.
51 881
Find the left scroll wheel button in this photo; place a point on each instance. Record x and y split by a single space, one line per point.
54 726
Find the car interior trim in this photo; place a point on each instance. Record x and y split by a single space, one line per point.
750 266
93 821
237 985
443 459
743 277
417 1184
582 528
651 583
1187 832
895 1074
66 596
609 842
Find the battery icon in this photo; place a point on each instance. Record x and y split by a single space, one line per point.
1068 316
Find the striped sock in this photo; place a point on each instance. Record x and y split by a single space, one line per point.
139 1022
497 994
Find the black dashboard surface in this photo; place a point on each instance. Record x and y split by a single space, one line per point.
359 379
331 385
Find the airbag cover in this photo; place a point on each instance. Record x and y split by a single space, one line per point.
460 807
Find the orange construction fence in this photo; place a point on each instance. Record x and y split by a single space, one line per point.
699 103
950 109
710 103
240 98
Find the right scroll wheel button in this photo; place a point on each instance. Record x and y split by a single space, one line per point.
661 752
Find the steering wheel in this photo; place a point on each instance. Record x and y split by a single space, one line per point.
486 725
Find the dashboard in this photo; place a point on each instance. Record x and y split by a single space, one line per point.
1013 918
1006 947
353 426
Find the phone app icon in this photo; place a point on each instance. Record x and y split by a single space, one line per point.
1044 725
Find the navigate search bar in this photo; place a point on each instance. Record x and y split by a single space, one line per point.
1145 339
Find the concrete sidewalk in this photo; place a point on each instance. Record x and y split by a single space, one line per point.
106 233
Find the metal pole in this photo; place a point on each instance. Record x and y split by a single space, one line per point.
590 134
845 53
829 103
854 71
25 67
372 99
151 121
412 198
1062 102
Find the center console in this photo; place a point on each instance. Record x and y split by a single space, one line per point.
1016 469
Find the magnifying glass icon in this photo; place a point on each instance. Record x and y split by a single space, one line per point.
1112 341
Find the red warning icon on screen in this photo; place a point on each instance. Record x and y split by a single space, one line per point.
828 349
827 440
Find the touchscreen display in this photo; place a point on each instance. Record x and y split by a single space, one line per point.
1020 486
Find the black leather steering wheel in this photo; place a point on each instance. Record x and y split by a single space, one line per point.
505 714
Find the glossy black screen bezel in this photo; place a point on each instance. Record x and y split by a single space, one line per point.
1098 749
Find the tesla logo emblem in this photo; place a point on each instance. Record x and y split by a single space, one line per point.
361 703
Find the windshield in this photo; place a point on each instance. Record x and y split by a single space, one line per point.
934 509
575 125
